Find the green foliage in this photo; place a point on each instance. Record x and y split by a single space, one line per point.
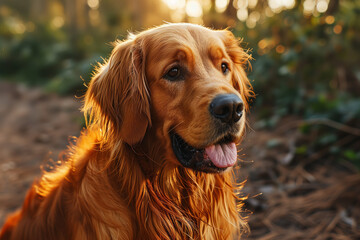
298 58
309 66
45 56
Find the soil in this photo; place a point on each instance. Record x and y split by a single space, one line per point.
287 197
34 127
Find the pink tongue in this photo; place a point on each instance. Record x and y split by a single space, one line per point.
222 155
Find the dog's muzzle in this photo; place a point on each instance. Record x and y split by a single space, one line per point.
226 110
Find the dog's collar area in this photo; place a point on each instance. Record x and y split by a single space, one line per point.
194 158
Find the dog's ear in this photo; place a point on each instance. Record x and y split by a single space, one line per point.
240 59
117 99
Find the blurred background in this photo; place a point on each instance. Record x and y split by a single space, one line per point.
301 157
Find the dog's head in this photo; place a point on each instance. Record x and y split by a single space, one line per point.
182 86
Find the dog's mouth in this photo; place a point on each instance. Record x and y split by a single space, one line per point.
215 158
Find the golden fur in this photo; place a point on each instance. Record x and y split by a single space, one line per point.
121 179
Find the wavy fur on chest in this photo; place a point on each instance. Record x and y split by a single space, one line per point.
102 195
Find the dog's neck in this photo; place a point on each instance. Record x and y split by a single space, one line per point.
182 200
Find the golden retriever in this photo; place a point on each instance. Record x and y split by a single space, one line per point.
165 113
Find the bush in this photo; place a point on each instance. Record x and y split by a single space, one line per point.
309 66
46 57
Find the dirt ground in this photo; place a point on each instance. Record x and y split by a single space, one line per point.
34 127
288 198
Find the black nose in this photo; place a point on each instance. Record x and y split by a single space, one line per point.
227 107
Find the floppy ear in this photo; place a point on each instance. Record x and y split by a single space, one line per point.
117 99
240 59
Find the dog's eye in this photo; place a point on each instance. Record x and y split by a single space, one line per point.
224 68
173 74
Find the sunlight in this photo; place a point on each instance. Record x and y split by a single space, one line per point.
289 4
193 9
315 6
93 4
196 8
275 5
242 4
221 5
255 15
309 6
175 4
278 5
242 14
250 23
263 43
206 5
330 19
252 19
322 6
269 12
178 15
18 27
58 22
252 3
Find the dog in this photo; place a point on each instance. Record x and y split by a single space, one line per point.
164 115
